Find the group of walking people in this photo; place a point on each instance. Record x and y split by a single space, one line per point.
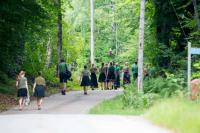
109 76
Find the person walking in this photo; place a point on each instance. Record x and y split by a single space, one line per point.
93 76
85 79
39 89
22 89
135 71
62 69
126 78
111 76
102 77
117 76
105 69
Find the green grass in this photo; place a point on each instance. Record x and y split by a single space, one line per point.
115 107
180 115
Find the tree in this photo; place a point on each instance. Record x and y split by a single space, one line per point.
59 27
92 56
141 46
196 14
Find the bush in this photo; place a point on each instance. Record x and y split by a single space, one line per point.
166 87
138 100
3 77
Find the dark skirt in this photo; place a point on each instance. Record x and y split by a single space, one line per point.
63 77
39 91
94 80
111 77
126 79
117 82
85 81
22 92
102 77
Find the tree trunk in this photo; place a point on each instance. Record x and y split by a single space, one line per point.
114 28
48 53
92 56
196 13
141 46
59 28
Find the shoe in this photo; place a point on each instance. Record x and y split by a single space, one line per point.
63 92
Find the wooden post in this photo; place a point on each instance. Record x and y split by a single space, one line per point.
189 66
92 31
141 46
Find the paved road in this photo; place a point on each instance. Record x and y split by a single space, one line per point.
68 114
72 103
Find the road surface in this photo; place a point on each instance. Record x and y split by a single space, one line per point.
69 114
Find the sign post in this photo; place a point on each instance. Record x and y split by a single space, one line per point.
194 51
189 66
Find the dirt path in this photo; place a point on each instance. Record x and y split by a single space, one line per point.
68 114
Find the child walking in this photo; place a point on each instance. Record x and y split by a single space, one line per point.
85 80
39 89
22 89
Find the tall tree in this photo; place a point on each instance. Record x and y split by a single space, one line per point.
141 46
196 14
59 27
92 56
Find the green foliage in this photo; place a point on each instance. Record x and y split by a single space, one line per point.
115 106
3 77
165 87
138 100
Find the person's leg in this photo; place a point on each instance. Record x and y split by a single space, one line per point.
20 103
65 87
85 90
110 85
40 103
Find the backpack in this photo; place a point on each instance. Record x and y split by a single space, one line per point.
68 73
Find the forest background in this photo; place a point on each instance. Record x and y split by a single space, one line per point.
29 35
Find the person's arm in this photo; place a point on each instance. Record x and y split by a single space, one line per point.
34 85
17 84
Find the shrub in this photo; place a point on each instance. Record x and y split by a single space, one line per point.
166 87
138 100
3 77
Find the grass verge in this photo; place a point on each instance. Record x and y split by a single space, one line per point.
115 106
180 115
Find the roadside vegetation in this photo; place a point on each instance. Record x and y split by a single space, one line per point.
165 102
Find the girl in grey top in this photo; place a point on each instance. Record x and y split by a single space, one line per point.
22 89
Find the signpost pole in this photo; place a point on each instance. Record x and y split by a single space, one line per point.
189 65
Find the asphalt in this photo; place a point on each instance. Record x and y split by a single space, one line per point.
69 114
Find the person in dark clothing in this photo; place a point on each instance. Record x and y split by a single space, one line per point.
135 71
62 68
105 69
111 76
126 78
93 76
102 76
85 79
117 76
